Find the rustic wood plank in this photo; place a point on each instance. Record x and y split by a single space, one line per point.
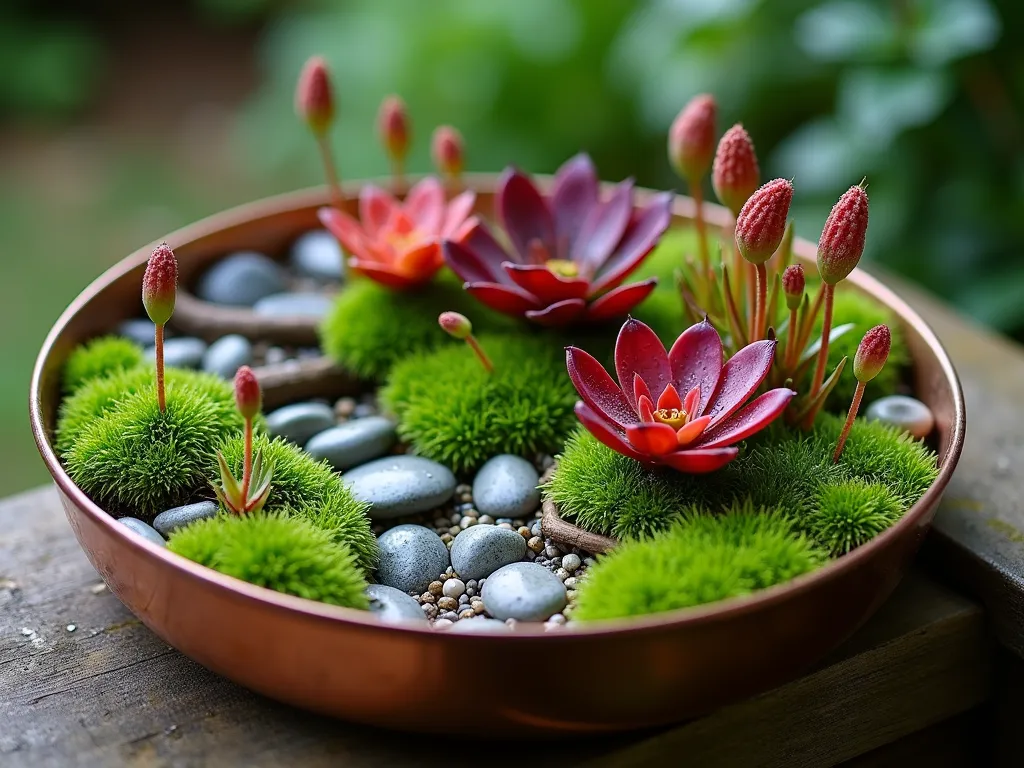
111 693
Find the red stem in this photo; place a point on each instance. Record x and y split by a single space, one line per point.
761 301
397 177
484 359
330 169
788 363
247 462
858 394
826 329
158 341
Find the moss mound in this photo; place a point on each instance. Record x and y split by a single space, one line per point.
279 552
700 559
451 410
302 487
847 514
100 357
370 327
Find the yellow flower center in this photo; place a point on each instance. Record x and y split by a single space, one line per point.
563 267
674 417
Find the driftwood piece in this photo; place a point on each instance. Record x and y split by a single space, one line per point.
286 382
564 532
210 321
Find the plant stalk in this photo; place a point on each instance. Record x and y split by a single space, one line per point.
485 361
158 341
397 177
330 169
858 395
826 329
702 231
760 301
788 362
247 463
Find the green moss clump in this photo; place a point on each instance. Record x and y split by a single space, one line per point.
279 552
136 459
453 411
700 559
100 357
370 327
303 487
847 514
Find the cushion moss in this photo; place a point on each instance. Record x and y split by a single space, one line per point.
98 358
280 552
847 514
700 559
453 411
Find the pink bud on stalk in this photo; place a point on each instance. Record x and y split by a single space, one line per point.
458 326
867 363
691 145
248 397
760 227
735 174
446 150
793 286
159 286
314 103
393 126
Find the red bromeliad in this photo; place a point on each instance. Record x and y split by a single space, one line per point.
249 495
644 417
571 250
398 243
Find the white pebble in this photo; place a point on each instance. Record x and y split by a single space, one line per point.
571 562
454 588
908 414
467 521
443 623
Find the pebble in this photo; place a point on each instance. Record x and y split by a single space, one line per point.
227 354
314 305
443 623
904 412
411 556
354 442
317 254
275 355
299 422
524 592
140 331
571 562
481 625
392 606
344 407
506 486
241 279
178 517
479 551
363 410
447 603
181 352
402 485
455 588
144 529
536 544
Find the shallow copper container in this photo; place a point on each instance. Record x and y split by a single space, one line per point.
624 674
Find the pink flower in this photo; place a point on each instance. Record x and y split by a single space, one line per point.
644 417
570 250
398 243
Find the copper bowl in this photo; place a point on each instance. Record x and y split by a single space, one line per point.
625 674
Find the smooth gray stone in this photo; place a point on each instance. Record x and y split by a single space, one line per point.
182 352
401 485
227 354
506 486
479 551
411 557
524 592
354 442
318 254
903 412
480 625
294 305
298 422
241 279
178 517
393 606
139 330
146 531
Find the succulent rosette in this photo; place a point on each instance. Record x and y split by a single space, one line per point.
570 250
644 416
398 243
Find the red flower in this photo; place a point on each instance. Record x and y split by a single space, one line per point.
570 250
398 244
644 416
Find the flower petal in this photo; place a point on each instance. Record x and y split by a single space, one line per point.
740 377
640 390
524 214
425 204
601 232
753 418
644 405
620 301
545 284
691 403
699 460
670 399
459 209
606 432
375 208
345 228
573 196
470 265
696 360
638 350
652 438
558 313
690 432
597 388
385 275
639 239
508 299
421 261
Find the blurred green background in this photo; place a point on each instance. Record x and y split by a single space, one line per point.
119 125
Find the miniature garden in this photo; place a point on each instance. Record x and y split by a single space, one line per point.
568 408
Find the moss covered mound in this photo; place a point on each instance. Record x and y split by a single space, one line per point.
100 357
280 552
453 411
700 559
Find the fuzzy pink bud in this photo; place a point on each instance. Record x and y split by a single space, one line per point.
248 397
735 174
842 239
159 284
314 100
872 353
761 223
793 285
455 325
446 150
691 139
393 125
